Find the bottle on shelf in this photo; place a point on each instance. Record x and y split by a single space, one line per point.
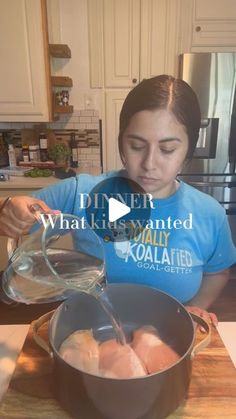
11 155
74 152
43 147
25 153
34 153
4 156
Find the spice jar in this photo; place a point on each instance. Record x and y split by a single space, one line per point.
34 154
65 97
25 153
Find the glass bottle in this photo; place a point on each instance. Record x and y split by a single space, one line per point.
12 156
4 153
34 152
25 153
43 147
74 152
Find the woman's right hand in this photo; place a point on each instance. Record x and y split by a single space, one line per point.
17 217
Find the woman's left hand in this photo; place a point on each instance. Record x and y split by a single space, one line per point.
208 317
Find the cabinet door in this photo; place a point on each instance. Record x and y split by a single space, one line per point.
24 70
215 9
121 42
216 34
113 102
214 23
159 42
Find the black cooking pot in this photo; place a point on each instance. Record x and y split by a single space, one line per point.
153 396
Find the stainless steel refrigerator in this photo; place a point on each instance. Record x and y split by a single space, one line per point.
213 168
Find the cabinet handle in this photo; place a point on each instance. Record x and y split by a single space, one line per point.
134 81
198 29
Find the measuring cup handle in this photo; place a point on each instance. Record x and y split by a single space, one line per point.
12 245
36 324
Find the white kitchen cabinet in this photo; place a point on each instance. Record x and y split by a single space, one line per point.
113 103
167 28
208 25
159 40
214 24
121 42
24 70
131 40
114 42
215 10
215 34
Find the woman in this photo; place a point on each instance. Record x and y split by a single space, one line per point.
188 258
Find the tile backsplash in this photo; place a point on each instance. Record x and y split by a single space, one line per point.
84 123
79 120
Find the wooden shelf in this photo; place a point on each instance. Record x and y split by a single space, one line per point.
59 51
63 109
61 81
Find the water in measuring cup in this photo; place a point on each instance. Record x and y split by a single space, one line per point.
31 280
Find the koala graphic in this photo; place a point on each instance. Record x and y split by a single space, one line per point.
122 249
121 242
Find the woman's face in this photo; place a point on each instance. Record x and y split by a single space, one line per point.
154 146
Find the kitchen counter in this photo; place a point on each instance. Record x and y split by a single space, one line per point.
21 182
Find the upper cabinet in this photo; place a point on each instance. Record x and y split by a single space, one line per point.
208 25
131 40
121 42
25 70
214 23
159 40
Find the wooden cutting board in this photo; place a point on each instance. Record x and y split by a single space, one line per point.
212 392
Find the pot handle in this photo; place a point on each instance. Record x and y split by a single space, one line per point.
36 324
205 342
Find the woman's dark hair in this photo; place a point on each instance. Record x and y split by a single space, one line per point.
164 92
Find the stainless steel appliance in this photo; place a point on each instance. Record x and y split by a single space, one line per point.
213 168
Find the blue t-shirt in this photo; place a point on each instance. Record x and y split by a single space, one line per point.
187 235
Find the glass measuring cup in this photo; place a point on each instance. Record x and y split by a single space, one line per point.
64 255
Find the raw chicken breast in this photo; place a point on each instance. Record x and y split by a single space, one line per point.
152 351
81 351
119 361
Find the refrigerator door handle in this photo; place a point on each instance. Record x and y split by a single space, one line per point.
232 140
231 211
213 184
232 184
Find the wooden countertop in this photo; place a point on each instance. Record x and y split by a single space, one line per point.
21 182
212 392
